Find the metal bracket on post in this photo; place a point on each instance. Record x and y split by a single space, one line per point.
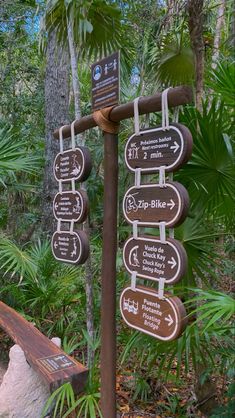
162 230
71 226
73 185
162 176
161 286
60 186
135 229
59 226
133 280
61 139
137 177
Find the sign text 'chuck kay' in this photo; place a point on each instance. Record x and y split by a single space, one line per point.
152 259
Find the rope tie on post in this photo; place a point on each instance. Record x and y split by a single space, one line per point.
61 139
135 229
73 135
136 115
165 111
102 118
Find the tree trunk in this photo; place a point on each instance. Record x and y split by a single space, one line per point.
88 266
169 22
195 23
56 114
218 28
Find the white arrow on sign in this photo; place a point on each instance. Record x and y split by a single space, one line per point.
56 206
169 320
171 204
172 262
57 167
175 147
55 244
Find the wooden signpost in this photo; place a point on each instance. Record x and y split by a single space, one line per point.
153 259
73 164
151 204
71 206
142 310
158 147
173 313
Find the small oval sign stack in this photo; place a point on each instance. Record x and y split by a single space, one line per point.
70 206
163 205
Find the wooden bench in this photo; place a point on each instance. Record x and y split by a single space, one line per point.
53 364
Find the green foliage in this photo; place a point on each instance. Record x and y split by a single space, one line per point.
218 308
227 410
14 260
173 62
87 406
45 286
222 82
142 389
209 175
61 396
14 155
96 25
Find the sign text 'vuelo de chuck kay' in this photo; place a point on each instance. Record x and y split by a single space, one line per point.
152 259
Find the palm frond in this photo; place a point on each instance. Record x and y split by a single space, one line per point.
15 261
210 173
14 155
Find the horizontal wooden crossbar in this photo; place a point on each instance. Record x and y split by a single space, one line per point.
176 96
52 363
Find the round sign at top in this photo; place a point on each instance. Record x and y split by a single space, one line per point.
154 148
73 164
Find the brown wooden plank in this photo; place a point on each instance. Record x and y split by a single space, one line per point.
52 363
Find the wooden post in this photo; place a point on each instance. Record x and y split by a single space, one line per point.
108 292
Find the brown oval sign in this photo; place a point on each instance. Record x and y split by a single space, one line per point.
142 310
74 164
70 247
150 204
70 206
156 147
152 259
